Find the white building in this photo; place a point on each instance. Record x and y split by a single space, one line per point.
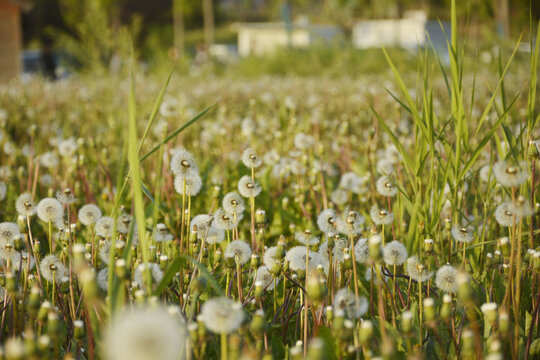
408 32
264 38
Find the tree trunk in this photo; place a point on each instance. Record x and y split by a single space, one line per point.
178 24
503 17
208 14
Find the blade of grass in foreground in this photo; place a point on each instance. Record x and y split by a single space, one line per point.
134 166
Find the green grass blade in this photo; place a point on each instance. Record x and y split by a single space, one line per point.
176 132
155 108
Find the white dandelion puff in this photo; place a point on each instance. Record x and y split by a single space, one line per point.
346 303
104 227
265 277
8 231
248 188
25 205
239 250
361 251
350 223
349 181
183 163
381 216
222 315
463 234
339 197
102 279
418 271
394 253
123 223
89 214
233 203
161 233
327 221
386 187
50 209
201 223
445 279
296 257
156 274
306 237
214 235
250 159
223 220
191 183
510 175
270 258
145 334
505 215
52 268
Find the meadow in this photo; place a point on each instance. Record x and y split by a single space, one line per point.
390 215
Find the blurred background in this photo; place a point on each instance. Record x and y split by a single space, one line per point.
55 38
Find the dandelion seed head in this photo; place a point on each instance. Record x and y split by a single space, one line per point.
339 197
327 221
394 253
222 315
26 259
361 251
223 220
67 147
521 207
417 271
50 209
463 234
510 175
155 272
215 235
265 277
89 214
104 226
250 159
123 223
233 203
49 160
183 163
145 334
445 279
386 187
504 214
381 216
103 278
52 268
201 223
296 257
303 141
347 304
239 250
8 231
349 181
306 237
248 188
193 184
269 258
161 233
350 223
3 190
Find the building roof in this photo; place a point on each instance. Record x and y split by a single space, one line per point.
23 4
282 25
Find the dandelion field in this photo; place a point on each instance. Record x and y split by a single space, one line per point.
388 216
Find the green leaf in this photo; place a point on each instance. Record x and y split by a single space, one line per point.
155 109
176 132
173 268
278 350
